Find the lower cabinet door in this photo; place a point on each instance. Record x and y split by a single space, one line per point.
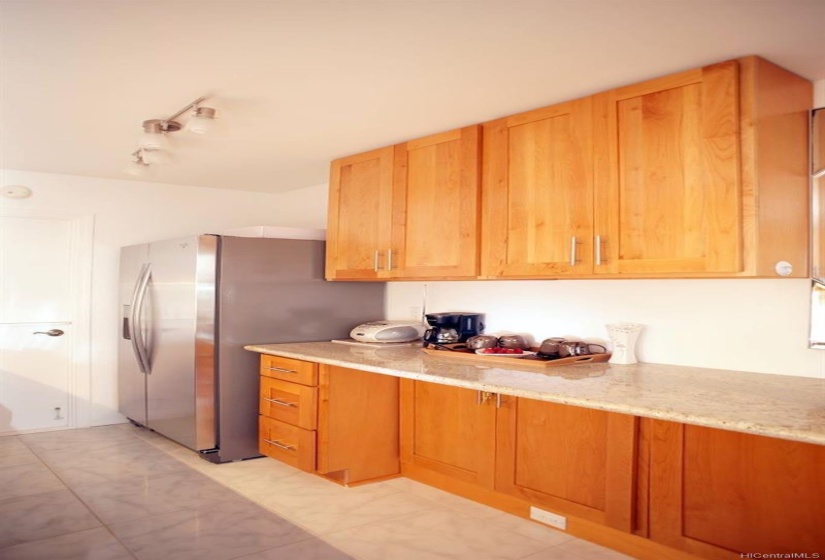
449 430
567 459
357 425
285 442
719 494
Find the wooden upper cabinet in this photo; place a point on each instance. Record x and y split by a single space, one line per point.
718 494
702 173
537 186
435 206
668 194
567 459
360 209
407 211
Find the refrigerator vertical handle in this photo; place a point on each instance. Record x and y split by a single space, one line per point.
138 343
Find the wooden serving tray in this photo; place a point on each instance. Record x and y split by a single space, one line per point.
530 362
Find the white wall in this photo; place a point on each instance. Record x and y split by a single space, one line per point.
127 212
746 325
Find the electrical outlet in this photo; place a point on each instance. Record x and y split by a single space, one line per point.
552 519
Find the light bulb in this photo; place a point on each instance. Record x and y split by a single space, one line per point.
153 137
153 141
202 122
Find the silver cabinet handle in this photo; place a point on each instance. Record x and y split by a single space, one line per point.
53 332
598 250
498 400
375 261
478 397
280 402
282 370
389 259
573 251
281 445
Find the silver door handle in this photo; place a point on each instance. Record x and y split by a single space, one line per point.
280 402
598 250
138 342
53 332
375 266
281 445
389 259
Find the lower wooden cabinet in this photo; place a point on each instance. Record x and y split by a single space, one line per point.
449 430
568 459
357 425
721 494
338 422
293 445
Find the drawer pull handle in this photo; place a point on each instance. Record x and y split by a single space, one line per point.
282 370
280 402
281 445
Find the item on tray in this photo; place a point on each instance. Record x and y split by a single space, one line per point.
482 341
513 341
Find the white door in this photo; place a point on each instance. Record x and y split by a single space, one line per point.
45 267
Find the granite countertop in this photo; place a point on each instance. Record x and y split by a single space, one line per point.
779 406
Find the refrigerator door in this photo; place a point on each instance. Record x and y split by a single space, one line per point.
273 290
180 341
131 378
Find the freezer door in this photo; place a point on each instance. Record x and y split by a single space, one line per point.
181 299
131 380
273 290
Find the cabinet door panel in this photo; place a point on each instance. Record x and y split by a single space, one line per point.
447 429
568 459
435 206
668 194
359 215
717 494
538 197
357 424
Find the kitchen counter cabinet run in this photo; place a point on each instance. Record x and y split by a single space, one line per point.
629 475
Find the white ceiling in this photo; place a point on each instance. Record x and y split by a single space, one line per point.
298 83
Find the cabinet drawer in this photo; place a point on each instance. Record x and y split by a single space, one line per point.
296 371
289 402
290 444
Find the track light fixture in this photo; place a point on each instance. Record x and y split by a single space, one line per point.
154 140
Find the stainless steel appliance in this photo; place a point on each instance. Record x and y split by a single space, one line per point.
190 305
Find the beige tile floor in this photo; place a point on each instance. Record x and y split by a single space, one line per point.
121 492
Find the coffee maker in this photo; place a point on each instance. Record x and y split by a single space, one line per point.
452 327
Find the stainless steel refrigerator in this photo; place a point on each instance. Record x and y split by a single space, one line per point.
189 306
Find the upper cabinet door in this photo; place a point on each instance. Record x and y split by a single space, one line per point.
435 206
537 208
360 209
667 175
